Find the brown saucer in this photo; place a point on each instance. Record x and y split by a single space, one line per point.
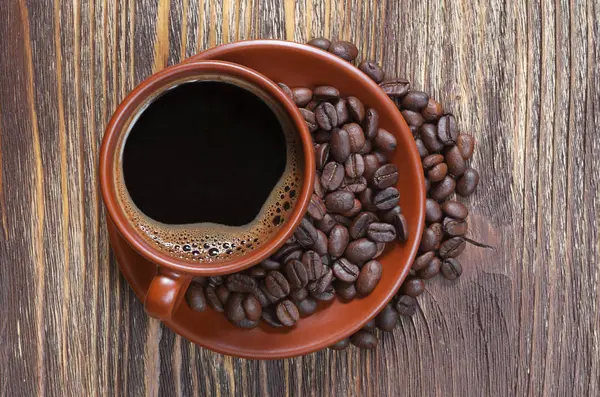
301 65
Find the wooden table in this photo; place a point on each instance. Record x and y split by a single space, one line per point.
523 77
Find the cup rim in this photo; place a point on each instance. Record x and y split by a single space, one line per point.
116 128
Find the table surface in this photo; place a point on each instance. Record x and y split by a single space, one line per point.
523 77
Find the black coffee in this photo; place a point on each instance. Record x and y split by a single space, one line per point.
204 152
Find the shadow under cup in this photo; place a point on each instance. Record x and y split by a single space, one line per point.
165 244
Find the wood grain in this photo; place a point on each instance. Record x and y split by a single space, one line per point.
523 77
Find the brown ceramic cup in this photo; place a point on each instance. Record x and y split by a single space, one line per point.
168 287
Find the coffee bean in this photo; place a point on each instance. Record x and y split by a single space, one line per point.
442 189
422 261
316 207
261 296
306 307
369 277
406 305
287 313
386 199
401 226
354 166
396 88
361 250
240 283
413 118
296 274
252 308
299 294
326 116
429 136
455 227
355 136
380 249
270 264
263 288
381 232
412 286
339 201
342 220
243 310
215 280
371 165
433 111
302 96
455 210
306 233
456 164
370 326
313 265
195 297
223 294
346 291
338 241
423 152
340 345
326 223
385 141
371 123
466 145
381 156
320 42
364 340
432 160
320 246
467 183
438 172
344 49
385 176
427 185
360 224
257 272
356 208
356 108
309 118
325 296
354 185
340 145
321 155
387 320
322 136
319 286
452 248
387 216
277 285
415 100
317 187
451 268
286 90
332 176
372 70
447 130
312 105
414 130
341 109
366 199
345 270
325 93
292 255
433 211
431 270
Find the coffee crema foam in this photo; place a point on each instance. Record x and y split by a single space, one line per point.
210 242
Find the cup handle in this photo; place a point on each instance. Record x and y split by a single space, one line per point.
165 294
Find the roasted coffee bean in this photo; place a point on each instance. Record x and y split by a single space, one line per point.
342 220
466 145
455 210
306 233
360 224
312 105
354 166
387 320
354 185
292 255
430 240
338 241
386 199
406 305
240 283
286 90
455 227
422 261
326 296
277 285
344 49
269 317
414 130
340 345
385 141
369 277
341 109
252 308
318 187
433 111
346 291
360 251
332 176
396 88
427 185
371 123
242 307
321 155
447 130
326 116
223 294
299 294
431 270
356 208
370 326
367 148
381 156
340 145
429 136
296 274
467 183
271 298
385 176
423 152
413 118
355 136
195 297
452 248
325 93
372 70
261 296
412 286
366 199
316 207
306 307
320 246
215 280
320 42
371 165
270 264
287 313
339 201
345 270
257 272
381 232
456 164
401 226
326 223
442 189
380 249
451 268
438 172
414 100
319 286
364 340
309 118
432 160
313 265
387 216
302 96
433 211
322 136
356 108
